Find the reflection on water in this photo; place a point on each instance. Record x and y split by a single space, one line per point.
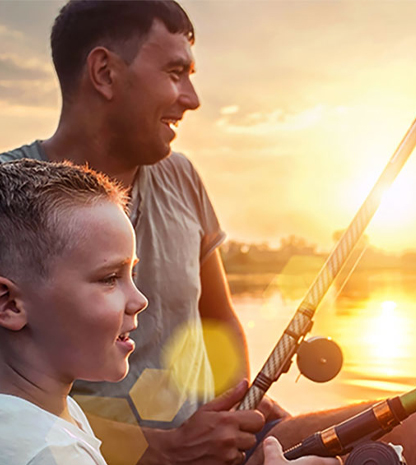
373 319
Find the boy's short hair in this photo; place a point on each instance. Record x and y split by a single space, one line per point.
119 25
36 199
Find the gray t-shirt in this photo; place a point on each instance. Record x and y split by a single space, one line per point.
177 229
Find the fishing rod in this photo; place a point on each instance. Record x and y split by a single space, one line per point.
371 424
293 336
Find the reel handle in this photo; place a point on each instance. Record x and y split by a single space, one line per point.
374 453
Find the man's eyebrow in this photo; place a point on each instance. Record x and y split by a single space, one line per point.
187 65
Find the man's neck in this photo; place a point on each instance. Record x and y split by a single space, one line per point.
92 151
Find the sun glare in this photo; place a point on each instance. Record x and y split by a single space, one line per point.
388 307
387 326
397 204
394 221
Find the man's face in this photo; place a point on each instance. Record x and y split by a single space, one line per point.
79 318
155 92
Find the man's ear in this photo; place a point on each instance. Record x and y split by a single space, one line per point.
12 312
101 64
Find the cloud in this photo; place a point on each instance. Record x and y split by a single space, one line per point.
229 110
10 33
41 94
262 124
28 82
13 68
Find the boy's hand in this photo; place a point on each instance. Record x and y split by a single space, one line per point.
273 455
214 435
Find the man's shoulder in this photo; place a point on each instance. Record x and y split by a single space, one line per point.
177 160
177 165
25 151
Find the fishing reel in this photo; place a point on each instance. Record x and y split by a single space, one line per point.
319 359
376 453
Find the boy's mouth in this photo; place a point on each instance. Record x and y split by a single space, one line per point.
123 337
125 342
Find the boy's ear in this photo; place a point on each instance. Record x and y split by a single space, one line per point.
12 313
100 68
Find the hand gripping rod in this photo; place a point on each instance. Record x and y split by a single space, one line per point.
301 323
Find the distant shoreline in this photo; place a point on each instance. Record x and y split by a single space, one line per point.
295 257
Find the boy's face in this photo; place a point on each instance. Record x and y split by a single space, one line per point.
78 318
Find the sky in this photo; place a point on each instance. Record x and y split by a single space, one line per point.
303 104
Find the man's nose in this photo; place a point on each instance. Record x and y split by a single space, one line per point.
189 98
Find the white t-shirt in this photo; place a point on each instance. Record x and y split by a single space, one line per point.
30 435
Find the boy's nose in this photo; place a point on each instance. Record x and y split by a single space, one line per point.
137 302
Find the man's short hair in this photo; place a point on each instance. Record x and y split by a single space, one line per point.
119 25
36 199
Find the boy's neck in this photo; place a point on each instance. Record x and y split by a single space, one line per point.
37 387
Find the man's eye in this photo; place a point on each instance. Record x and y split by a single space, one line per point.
175 73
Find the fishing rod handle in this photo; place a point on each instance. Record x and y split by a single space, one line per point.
279 360
340 439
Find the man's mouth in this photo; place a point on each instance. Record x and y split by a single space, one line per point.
171 122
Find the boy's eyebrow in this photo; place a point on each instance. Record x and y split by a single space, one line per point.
120 264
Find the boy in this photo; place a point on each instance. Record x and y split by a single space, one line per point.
67 305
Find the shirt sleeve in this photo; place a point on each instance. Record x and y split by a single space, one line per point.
213 235
33 151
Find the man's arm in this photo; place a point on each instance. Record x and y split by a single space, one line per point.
215 304
405 435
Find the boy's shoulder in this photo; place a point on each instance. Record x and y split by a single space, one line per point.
33 150
29 434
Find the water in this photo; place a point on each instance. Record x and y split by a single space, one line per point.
373 319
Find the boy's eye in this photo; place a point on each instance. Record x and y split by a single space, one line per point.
110 280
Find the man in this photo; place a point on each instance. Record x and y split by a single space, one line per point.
124 70
125 74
